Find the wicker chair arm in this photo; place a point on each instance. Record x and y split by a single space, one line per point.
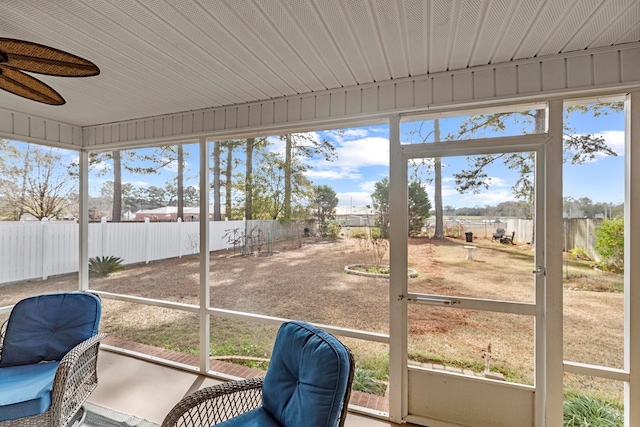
75 379
3 330
215 404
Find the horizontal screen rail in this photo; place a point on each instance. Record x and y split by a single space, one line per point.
498 306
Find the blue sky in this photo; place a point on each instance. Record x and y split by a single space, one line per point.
363 159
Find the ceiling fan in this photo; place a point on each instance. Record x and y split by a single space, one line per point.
17 55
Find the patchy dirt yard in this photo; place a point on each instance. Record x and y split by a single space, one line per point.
308 282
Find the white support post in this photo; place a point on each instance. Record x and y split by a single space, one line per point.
180 243
45 244
103 236
83 223
398 218
147 246
205 262
553 296
631 264
540 347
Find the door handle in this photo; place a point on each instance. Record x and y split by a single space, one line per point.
432 301
539 270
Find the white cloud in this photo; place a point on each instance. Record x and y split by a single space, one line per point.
495 181
138 183
339 136
354 198
332 174
351 157
369 151
368 186
615 140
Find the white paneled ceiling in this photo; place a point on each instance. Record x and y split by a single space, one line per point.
165 56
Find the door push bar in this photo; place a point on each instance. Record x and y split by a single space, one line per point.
429 300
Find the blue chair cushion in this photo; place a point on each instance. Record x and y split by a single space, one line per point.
46 327
255 418
307 378
26 389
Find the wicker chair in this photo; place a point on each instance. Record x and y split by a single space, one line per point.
48 359
308 383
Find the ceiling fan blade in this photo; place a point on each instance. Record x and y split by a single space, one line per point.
21 84
42 59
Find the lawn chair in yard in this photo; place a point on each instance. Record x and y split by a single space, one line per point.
499 234
48 359
508 240
308 383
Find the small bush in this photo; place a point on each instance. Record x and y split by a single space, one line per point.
365 381
330 229
581 410
609 244
104 266
579 253
366 233
358 233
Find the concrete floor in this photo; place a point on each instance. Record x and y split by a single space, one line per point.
148 390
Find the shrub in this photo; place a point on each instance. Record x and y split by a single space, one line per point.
366 233
365 381
581 410
609 243
330 229
358 233
579 253
104 266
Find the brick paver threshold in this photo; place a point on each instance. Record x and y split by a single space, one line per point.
364 400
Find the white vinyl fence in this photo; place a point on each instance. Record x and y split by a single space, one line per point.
33 250
578 232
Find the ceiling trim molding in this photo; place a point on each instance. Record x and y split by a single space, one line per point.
575 74
30 128
572 74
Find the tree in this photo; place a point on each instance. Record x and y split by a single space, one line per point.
155 197
609 243
380 198
324 203
578 148
228 183
132 161
419 207
300 145
180 178
116 214
216 181
9 172
45 188
268 188
439 230
253 145
436 166
248 179
191 196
